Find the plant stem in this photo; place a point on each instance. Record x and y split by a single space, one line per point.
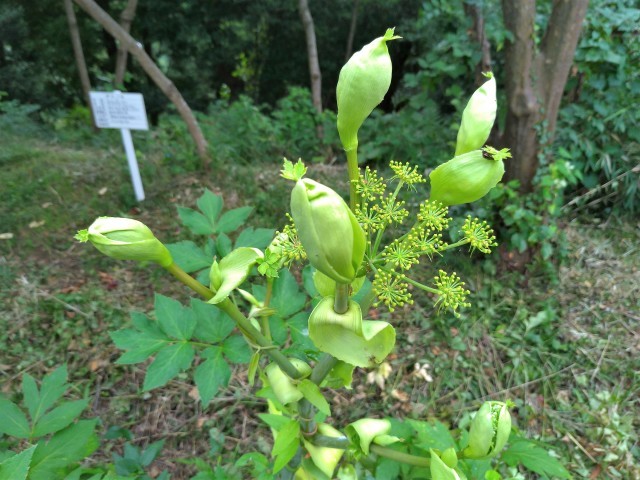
332 442
341 300
354 175
305 408
237 316
381 232
264 320
459 243
400 456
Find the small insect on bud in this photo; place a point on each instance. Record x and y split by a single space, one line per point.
478 118
466 178
489 431
328 230
125 239
362 85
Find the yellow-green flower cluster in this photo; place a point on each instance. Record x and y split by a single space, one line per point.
406 173
434 215
479 234
451 292
391 289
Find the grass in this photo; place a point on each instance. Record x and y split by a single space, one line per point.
566 353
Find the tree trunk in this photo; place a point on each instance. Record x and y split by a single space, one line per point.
126 18
312 54
168 88
478 34
535 78
78 53
352 31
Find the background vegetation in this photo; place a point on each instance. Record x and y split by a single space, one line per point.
560 337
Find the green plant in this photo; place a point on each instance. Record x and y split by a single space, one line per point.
278 340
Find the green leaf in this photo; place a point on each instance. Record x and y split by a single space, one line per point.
286 445
287 298
534 458
274 421
253 367
312 392
151 452
17 466
53 387
30 394
176 320
231 220
211 205
169 361
14 422
434 434
223 245
195 221
255 237
233 270
213 325
138 345
292 171
236 350
299 328
210 376
387 468
59 418
65 448
189 256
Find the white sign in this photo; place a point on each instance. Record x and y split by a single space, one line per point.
119 110
126 112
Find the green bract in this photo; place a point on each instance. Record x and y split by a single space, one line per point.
440 470
125 239
328 230
366 431
232 271
325 458
489 431
283 387
347 337
362 85
478 118
465 178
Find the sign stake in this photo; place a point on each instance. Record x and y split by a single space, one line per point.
133 163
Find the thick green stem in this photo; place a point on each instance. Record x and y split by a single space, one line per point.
306 410
341 300
354 176
264 320
227 306
400 456
332 442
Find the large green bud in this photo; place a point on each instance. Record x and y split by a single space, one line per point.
466 178
478 118
125 239
328 230
362 85
489 431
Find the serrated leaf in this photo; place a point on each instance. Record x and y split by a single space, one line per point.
59 418
434 434
287 298
255 237
138 345
14 422
213 325
30 394
169 361
211 205
17 466
231 220
210 376
233 270
151 452
189 256
223 245
236 350
65 448
175 320
195 221
53 387
292 171
286 445
534 458
312 392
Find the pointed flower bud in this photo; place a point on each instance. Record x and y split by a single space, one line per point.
325 458
125 239
489 431
466 178
328 230
478 118
365 431
362 85
347 337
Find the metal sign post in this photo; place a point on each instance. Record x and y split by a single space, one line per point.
126 112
